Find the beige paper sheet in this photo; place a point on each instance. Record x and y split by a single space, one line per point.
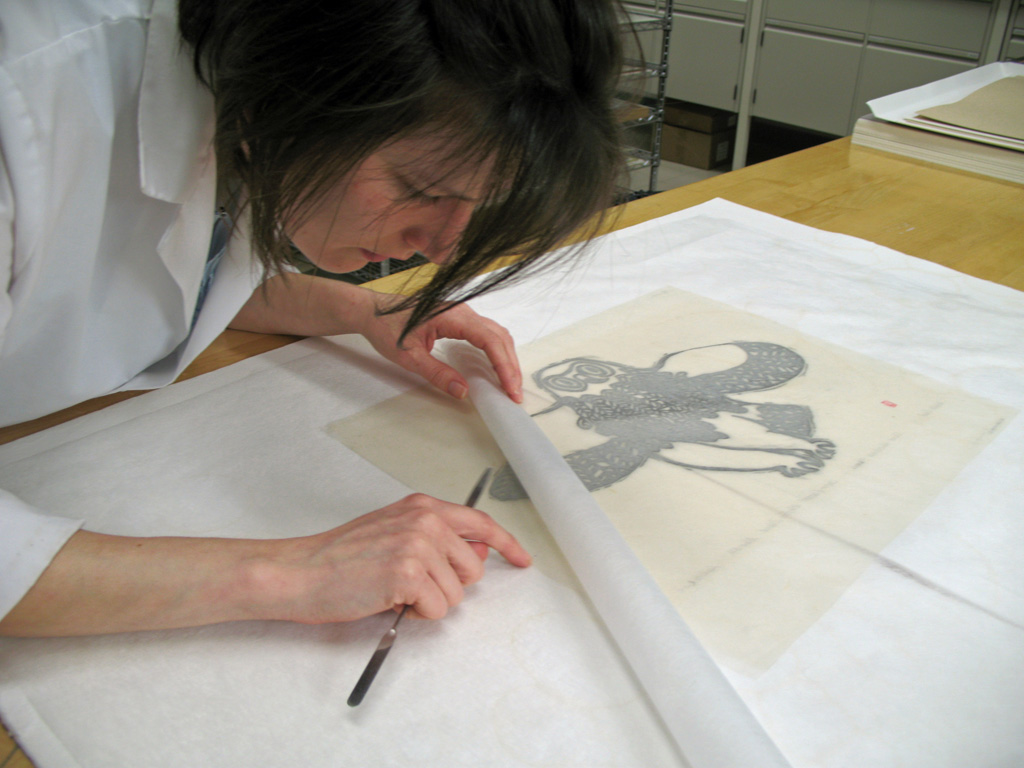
996 108
752 555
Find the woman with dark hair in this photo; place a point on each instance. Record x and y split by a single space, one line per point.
461 130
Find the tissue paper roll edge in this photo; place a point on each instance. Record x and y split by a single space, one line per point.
709 722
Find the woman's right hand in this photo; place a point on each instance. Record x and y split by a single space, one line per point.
419 551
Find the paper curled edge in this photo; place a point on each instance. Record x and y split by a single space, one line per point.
706 717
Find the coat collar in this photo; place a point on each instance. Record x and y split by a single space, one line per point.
176 115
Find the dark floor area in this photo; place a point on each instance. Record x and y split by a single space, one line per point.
769 140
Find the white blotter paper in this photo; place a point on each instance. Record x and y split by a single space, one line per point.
505 680
899 672
710 723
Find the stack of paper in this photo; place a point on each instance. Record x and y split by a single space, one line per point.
973 121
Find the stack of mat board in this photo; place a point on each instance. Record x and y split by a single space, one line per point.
973 121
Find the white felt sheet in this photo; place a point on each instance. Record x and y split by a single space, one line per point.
919 663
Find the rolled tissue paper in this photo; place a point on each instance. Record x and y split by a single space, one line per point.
706 717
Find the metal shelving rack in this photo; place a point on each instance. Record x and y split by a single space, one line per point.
649 22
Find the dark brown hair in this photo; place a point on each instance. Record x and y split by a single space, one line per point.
310 89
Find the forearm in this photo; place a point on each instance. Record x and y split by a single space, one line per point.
418 551
305 305
99 584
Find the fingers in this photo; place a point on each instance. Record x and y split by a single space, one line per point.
442 376
482 529
481 549
438 581
454 563
455 526
497 343
450 381
506 365
461 322
455 322
427 551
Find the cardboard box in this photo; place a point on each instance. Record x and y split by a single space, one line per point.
696 148
697 117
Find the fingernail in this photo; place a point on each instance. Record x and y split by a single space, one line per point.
457 390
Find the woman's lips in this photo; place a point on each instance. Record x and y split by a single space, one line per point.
371 256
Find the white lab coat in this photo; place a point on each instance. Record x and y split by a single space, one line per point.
107 200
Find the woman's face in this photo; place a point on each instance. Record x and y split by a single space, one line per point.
406 197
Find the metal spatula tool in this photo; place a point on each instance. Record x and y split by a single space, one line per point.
384 646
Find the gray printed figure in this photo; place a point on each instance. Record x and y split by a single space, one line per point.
663 413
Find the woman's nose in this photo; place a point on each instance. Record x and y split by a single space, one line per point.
436 233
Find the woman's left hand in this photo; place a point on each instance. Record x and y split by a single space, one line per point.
305 305
457 322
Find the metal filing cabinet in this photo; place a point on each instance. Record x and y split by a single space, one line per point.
819 63
1013 44
706 55
815 64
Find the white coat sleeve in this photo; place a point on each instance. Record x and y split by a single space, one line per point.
29 539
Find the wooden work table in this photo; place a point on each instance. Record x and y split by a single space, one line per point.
967 222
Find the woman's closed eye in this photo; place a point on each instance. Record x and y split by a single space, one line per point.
413 193
422 196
